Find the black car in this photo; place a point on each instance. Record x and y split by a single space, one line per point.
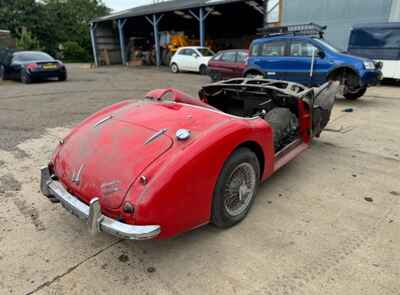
29 66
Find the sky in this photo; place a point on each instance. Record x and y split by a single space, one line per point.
125 4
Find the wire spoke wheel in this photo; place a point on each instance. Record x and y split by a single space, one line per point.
240 189
236 188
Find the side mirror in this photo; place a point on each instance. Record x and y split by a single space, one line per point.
321 54
195 55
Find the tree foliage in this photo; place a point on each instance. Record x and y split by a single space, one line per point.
73 52
27 42
52 22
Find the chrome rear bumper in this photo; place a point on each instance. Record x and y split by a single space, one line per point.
92 214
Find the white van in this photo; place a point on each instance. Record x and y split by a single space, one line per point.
380 42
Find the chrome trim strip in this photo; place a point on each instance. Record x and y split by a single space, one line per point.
155 136
76 177
102 121
68 201
97 222
295 143
95 216
44 177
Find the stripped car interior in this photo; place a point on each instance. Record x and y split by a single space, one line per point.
281 104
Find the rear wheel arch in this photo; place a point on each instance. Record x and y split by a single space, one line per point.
257 150
25 77
253 72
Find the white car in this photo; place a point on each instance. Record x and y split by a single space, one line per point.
191 59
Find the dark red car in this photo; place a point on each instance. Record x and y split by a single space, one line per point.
227 64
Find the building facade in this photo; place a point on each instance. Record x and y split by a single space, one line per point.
339 15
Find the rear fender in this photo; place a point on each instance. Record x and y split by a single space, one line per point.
180 187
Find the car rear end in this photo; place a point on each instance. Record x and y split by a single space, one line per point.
35 65
46 69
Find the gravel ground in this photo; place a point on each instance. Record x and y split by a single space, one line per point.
327 223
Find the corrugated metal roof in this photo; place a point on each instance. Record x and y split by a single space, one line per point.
161 7
388 25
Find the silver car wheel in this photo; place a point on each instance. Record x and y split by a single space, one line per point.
174 68
240 189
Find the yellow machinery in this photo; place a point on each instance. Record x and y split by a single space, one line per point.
171 41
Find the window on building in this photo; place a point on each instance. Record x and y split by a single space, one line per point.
273 14
276 48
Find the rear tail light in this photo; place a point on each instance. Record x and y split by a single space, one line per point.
32 67
128 208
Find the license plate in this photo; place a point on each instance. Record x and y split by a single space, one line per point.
49 67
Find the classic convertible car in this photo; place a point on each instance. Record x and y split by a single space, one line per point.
176 163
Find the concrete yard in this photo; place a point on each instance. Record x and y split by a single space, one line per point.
328 223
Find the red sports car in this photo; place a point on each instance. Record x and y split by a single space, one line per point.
227 64
178 162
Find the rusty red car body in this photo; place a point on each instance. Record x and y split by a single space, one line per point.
128 156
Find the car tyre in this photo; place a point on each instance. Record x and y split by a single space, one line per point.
62 77
254 75
203 70
174 68
2 73
215 76
236 188
25 78
354 94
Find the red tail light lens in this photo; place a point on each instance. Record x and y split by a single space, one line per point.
31 67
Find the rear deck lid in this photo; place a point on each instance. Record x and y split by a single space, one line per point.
103 161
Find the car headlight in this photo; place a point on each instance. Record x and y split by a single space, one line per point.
369 65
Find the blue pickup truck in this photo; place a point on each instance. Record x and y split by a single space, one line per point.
300 54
